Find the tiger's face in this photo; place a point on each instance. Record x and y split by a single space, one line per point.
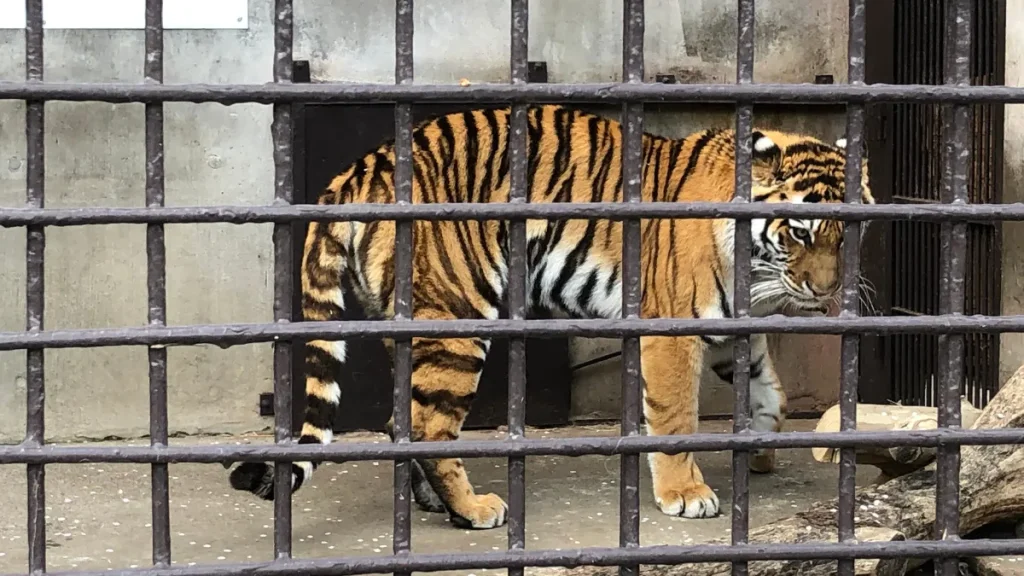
798 263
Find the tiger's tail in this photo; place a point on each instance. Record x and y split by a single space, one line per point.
323 262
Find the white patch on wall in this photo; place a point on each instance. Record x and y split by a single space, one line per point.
130 14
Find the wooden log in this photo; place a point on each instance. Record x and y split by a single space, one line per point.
898 460
991 490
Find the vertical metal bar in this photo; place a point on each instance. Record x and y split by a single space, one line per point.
741 293
956 166
402 408
518 194
632 157
34 298
851 275
156 267
283 193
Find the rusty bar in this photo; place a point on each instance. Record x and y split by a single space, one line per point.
664 555
850 346
604 446
632 158
35 247
16 217
955 169
236 334
331 92
156 280
281 130
517 274
742 248
402 393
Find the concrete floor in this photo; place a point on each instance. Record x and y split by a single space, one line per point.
98 515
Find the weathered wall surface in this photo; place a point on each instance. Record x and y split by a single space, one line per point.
95 276
1011 353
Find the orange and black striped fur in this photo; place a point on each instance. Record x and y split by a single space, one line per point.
460 271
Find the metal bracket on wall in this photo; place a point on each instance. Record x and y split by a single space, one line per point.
266 403
537 72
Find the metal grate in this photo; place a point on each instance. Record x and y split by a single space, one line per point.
916 246
949 326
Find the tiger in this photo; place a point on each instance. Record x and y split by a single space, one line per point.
460 271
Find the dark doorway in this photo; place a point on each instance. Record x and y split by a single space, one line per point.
327 138
906 45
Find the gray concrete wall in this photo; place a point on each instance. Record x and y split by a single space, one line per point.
1011 353
95 276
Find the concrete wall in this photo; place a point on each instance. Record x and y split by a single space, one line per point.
95 276
1011 352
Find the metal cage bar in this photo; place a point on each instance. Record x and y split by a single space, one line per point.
956 167
402 408
632 93
850 352
281 130
156 280
615 93
850 346
519 194
742 249
18 217
632 395
35 432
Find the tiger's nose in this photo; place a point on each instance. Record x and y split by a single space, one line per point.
821 289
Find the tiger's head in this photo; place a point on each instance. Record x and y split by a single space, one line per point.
798 263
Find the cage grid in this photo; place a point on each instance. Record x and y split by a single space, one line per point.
949 325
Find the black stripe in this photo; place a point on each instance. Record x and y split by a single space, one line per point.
593 127
471 144
723 300
300 476
757 368
482 286
444 400
612 279
321 365
486 185
587 292
673 157
573 262
319 412
328 310
808 147
448 360
811 180
655 173
695 151
446 260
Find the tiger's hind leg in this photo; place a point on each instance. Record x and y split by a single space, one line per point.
422 492
444 382
767 397
671 368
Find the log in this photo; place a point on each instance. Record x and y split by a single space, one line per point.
899 460
991 490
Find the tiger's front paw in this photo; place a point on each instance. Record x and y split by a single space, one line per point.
483 512
697 501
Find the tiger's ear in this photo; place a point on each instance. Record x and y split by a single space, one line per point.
766 153
841 144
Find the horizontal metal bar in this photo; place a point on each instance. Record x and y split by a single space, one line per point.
659 555
17 217
336 92
235 334
504 448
